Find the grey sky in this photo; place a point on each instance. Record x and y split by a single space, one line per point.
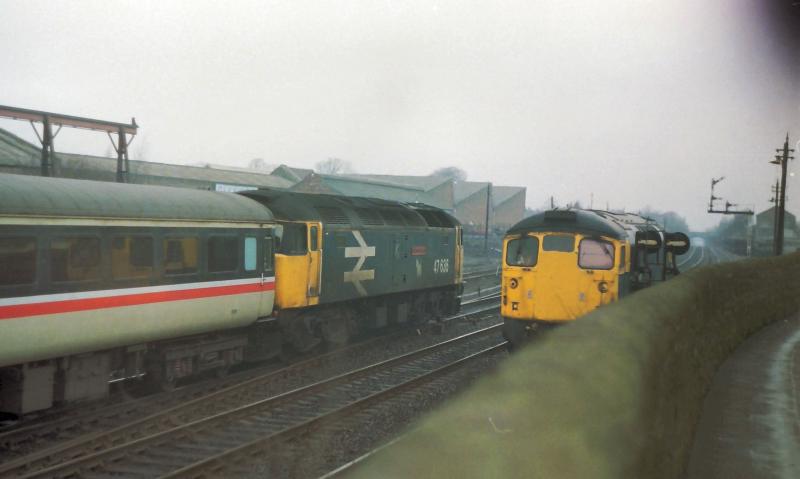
638 102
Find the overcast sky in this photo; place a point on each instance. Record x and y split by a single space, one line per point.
637 102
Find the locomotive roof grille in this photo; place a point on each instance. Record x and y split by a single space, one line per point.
333 215
349 210
369 217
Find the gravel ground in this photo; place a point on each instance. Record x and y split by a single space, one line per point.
338 444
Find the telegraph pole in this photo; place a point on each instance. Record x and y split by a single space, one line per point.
488 210
782 158
775 200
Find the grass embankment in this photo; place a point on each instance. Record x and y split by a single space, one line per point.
617 394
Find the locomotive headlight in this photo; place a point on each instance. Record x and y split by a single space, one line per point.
513 283
602 287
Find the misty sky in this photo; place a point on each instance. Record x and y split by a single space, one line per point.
637 102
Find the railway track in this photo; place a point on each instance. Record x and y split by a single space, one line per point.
100 438
695 258
704 255
484 273
207 434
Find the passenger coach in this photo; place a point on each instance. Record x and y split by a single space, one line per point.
99 278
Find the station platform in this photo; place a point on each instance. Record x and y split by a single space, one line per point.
750 425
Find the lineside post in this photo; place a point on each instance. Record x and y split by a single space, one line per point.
488 211
781 159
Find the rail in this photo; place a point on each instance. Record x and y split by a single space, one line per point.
163 452
203 406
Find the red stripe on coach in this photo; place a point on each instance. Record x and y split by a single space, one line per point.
72 305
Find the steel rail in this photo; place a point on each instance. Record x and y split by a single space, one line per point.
112 444
71 448
217 464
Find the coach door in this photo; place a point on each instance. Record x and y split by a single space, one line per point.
314 261
267 275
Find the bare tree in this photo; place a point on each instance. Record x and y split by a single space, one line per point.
257 164
334 166
453 172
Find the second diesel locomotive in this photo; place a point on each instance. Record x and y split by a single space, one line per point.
561 264
102 282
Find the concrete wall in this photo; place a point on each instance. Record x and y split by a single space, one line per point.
617 394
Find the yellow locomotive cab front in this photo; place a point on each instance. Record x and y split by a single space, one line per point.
556 277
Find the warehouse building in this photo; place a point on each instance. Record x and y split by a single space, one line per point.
467 200
20 157
762 233
471 200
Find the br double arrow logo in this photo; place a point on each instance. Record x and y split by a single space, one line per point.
362 252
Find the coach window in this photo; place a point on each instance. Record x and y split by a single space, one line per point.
522 251
131 257
75 258
561 243
17 260
250 253
223 254
180 255
595 254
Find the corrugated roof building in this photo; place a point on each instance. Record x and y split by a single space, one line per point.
470 199
466 199
20 157
295 175
508 205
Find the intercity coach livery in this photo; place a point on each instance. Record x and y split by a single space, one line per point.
561 264
104 282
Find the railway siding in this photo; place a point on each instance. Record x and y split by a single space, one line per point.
617 394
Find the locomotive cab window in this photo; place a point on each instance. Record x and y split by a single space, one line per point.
314 233
560 243
17 260
522 251
595 254
75 258
223 254
293 241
